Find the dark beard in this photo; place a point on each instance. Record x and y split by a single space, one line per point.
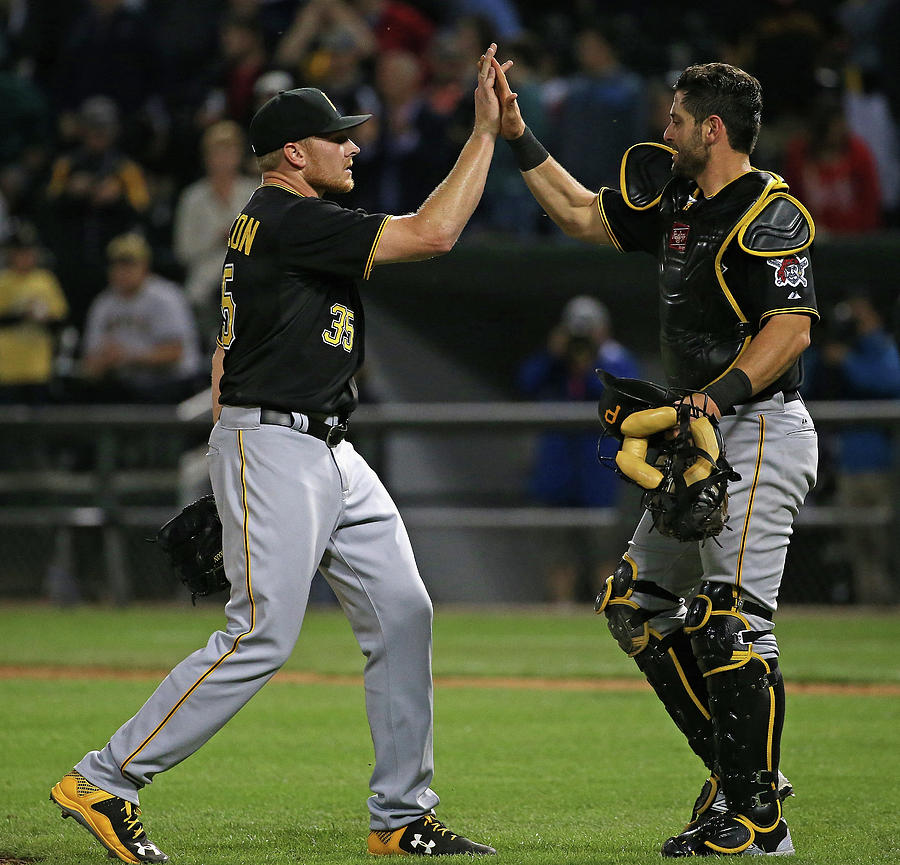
691 164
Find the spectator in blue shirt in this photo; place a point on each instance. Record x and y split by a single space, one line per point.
566 471
859 359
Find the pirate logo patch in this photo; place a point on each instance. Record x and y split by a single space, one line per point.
789 271
678 236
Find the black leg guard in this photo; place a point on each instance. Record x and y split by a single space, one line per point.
667 662
746 702
671 670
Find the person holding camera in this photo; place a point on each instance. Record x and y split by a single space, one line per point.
858 359
566 472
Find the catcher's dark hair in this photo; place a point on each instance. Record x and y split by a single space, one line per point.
730 93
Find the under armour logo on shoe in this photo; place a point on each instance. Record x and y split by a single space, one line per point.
143 849
418 842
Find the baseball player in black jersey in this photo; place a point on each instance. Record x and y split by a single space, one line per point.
736 300
293 495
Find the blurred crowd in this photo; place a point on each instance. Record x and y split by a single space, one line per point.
123 155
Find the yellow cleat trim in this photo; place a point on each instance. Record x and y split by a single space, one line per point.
68 795
386 843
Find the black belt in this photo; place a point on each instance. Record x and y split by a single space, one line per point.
791 395
331 435
754 609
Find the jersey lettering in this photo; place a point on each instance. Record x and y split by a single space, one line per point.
226 337
341 332
242 233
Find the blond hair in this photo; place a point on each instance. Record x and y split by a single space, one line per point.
269 161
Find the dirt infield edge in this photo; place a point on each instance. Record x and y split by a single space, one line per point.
296 677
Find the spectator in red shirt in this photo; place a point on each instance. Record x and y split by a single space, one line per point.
398 26
834 172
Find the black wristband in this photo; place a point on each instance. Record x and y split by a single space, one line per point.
732 389
529 152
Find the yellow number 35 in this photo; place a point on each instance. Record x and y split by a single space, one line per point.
341 331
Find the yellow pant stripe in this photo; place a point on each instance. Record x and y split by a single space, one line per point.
746 529
237 640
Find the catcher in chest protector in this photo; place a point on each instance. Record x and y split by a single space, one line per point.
693 599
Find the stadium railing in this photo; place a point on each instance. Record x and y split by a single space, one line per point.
95 491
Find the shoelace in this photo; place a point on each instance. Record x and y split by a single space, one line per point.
131 820
436 826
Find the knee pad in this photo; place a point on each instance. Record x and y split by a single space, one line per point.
721 636
626 620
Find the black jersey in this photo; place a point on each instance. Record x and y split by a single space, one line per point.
714 293
292 320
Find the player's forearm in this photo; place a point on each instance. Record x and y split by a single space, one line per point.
771 353
569 204
445 212
436 226
774 349
218 360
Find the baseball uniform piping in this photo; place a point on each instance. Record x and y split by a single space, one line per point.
605 221
759 458
283 186
371 260
790 309
751 213
237 640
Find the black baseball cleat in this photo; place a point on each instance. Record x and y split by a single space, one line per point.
711 800
732 834
426 836
113 821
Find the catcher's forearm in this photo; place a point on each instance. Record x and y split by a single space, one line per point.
770 354
570 205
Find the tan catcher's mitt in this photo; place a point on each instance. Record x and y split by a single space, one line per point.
676 454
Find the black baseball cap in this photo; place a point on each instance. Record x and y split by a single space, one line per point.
294 114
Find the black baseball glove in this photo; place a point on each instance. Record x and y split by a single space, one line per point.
686 483
192 542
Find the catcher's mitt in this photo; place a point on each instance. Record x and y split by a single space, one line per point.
624 396
686 485
192 542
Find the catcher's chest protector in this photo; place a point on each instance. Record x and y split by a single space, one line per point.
702 328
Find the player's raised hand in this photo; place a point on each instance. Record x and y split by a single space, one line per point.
511 123
487 106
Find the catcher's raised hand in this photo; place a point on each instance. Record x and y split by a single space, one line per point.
511 123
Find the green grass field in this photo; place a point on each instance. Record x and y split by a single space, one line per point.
545 774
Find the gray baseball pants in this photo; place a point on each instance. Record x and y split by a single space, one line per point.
291 505
773 445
